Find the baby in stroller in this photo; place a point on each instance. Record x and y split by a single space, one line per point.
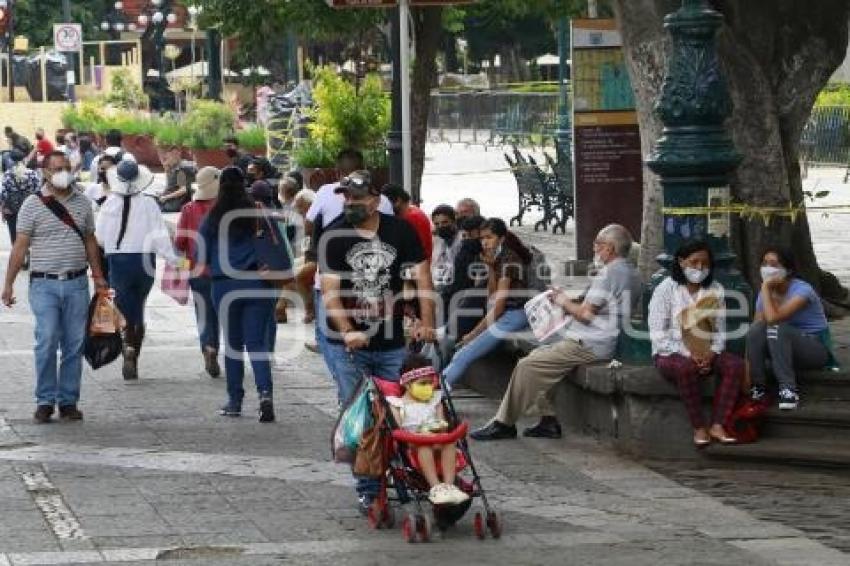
420 410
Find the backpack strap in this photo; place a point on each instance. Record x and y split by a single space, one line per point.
62 214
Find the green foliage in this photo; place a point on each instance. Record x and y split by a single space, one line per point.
345 118
170 132
311 153
125 92
35 18
251 137
85 116
207 124
835 94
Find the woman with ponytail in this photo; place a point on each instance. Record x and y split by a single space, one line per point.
508 261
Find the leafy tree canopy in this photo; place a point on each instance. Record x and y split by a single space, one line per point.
34 19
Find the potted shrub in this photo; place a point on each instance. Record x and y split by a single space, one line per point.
206 125
316 163
169 134
252 139
137 136
345 117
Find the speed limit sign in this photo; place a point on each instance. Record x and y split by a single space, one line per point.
68 37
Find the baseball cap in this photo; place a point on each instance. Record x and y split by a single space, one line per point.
358 184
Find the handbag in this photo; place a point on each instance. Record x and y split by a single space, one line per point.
175 284
353 421
274 256
370 460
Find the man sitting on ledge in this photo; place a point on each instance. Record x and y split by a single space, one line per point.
591 336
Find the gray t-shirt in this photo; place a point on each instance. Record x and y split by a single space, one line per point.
614 290
54 246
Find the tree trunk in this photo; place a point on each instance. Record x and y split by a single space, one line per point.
427 26
776 56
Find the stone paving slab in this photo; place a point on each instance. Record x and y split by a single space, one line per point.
153 474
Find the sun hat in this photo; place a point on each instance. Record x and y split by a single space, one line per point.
206 184
129 178
419 373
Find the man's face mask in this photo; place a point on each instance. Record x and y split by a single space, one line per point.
447 233
61 179
356 213
422 391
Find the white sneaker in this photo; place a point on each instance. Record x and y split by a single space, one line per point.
440 494
458 495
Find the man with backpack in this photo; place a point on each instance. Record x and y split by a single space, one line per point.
57 227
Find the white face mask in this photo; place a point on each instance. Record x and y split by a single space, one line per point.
694 275
770 272
597 262
61 180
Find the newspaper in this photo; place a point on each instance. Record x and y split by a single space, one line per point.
544 317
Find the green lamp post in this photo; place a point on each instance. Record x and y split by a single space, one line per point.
563 132
695 154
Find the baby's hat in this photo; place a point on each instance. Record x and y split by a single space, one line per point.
419 373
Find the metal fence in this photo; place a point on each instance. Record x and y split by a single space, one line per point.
493 118
826 137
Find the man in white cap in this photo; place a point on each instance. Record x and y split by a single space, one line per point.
132 232
192 216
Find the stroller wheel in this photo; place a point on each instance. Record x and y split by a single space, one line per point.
478 526
388 517
408 528
423 528
494 523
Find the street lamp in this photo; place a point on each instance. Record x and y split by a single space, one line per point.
151 22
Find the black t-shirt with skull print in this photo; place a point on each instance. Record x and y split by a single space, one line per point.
371 276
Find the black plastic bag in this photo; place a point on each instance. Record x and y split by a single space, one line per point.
100 349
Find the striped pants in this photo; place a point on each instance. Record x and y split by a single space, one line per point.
683 372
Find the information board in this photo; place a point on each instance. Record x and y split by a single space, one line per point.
608 159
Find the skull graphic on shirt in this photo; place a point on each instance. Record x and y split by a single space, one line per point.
371 278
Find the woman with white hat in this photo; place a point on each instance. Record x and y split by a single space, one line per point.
192 216
132 232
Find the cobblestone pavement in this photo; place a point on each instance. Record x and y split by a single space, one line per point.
153 474
814 501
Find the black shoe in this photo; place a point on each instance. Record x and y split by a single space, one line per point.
494 431
231 409
43 413
70 413
548 427
266 412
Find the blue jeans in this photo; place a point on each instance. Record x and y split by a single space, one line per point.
352 367
322 335
512 320
61 314
202 300
131 275
244 318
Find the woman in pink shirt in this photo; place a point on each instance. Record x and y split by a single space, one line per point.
191 216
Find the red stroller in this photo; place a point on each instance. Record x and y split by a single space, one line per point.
411 488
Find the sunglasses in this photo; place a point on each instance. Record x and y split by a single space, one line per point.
354 182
